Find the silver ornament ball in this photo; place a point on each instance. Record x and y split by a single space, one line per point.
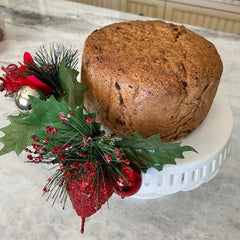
22 100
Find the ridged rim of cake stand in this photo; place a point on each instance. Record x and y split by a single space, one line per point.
212 140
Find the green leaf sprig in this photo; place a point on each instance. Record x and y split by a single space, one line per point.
151 152
18 135
71 87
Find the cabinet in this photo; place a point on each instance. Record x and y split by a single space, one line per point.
213 14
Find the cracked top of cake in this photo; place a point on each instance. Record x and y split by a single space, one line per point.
150 76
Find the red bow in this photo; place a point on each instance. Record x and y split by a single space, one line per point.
14 80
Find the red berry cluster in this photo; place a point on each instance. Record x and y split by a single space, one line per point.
37 150
119 155
90 120
51 130
107 157
65 119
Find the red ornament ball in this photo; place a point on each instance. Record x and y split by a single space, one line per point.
133 175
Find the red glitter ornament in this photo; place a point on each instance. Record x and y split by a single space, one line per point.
133 176
88 195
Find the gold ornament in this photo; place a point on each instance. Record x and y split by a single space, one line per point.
22 100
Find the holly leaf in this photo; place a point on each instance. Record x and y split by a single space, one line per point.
151 152
45 113
74 90
18 135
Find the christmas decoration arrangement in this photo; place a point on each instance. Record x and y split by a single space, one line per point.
54 128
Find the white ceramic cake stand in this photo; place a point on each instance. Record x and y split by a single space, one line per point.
212 140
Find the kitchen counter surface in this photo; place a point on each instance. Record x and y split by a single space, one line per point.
210 212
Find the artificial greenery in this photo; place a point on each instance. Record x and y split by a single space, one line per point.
72 140
146 153
151 152
18 135
46 65
73 90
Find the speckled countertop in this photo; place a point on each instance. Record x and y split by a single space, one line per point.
210 212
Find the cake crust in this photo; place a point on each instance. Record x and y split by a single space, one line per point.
150 76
